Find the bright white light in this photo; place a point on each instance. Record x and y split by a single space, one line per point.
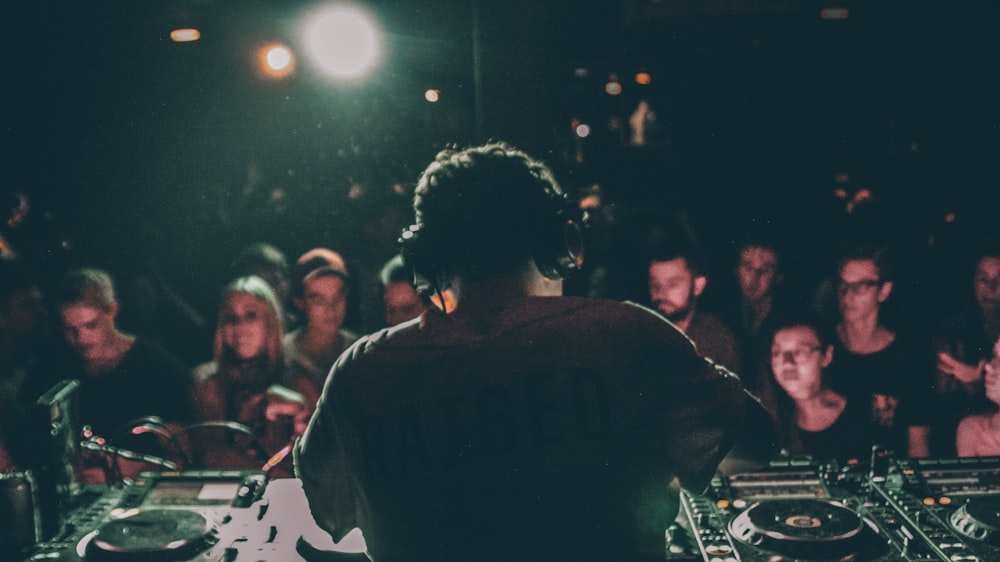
583 130
342 41
278 58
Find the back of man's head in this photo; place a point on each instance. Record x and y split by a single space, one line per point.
489 209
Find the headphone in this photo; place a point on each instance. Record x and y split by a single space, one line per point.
558 246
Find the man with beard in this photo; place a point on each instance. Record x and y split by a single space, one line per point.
963 344
676 281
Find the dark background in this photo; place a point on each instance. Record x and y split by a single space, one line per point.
136 152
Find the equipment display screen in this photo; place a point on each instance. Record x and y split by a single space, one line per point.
780 484
191 492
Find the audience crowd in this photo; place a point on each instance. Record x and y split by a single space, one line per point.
834 344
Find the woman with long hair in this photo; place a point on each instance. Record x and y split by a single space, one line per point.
244 416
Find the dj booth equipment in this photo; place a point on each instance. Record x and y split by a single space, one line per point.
204 516
928 510
932 510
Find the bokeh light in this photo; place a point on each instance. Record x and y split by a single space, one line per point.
275 60
185 35
432 95
342 41
613 87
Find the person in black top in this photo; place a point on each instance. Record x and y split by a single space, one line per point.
814 419
124 379
522 424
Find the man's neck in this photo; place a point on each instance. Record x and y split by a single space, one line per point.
110 356
685 323
864 335
500 288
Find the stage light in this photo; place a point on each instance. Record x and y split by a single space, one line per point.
342 41
582 130
613 87
432 95
834 13
185 35
278 58
643 78
275 60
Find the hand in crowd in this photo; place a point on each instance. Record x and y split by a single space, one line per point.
963 372
283 404
992 374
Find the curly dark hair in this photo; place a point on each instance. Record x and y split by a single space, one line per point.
485 209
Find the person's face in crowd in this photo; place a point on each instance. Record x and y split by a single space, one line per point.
401 303
89 330
278 281
860 290
324 303
23 317
798 360
244 325
674 289
987 284
757 272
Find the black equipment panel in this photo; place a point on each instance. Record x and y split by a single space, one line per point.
893 510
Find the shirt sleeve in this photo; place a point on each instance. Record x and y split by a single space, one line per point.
704 423
321 464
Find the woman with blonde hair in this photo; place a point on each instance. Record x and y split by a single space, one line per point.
245 417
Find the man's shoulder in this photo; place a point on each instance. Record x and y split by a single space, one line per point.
707 322
153 355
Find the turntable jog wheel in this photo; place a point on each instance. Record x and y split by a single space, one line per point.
801 529
979 519
157 535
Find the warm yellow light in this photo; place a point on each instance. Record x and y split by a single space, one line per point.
275 60
834 13
643 78
185 35
432 95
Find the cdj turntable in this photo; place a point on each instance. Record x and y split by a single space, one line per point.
203 516
904 510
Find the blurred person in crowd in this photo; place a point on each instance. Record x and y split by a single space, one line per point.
320 292
400 300
243 384
524 424
124 378
270 263
889 371
963 345
814 419
676 281
24 338
760 305
978 435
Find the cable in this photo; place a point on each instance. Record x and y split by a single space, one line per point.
254 442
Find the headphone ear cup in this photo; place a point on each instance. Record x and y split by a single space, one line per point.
413 249
562 251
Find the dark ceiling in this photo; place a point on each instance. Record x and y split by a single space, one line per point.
112 128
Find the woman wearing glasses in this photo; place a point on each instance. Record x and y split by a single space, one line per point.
814 419
889 370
